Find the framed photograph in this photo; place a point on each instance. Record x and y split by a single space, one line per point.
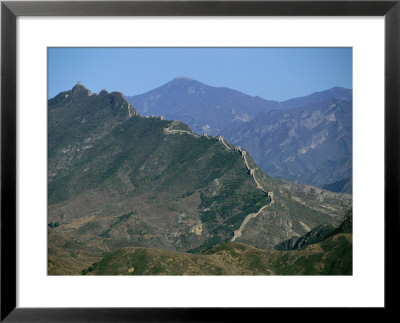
162 159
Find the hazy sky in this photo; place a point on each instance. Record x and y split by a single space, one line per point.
271 73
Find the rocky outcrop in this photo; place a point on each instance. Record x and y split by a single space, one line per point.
318 234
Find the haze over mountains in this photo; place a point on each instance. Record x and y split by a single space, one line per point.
307 140
117 179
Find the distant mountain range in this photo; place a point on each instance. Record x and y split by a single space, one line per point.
307 140
117 179
204 108
338 93
310 144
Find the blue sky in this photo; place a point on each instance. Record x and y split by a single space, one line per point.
271 73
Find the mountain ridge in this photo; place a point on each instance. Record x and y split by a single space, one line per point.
311 144
336 92
332 256
117 180
325 250
182 96
232 114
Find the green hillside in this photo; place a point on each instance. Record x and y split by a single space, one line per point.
332 257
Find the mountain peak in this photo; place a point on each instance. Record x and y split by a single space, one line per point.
340 88
81 89
78 86
179 78
335 91
103 92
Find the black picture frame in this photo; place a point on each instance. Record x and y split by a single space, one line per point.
10 10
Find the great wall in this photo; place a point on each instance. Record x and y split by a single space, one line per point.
251 171
169 130
221 139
